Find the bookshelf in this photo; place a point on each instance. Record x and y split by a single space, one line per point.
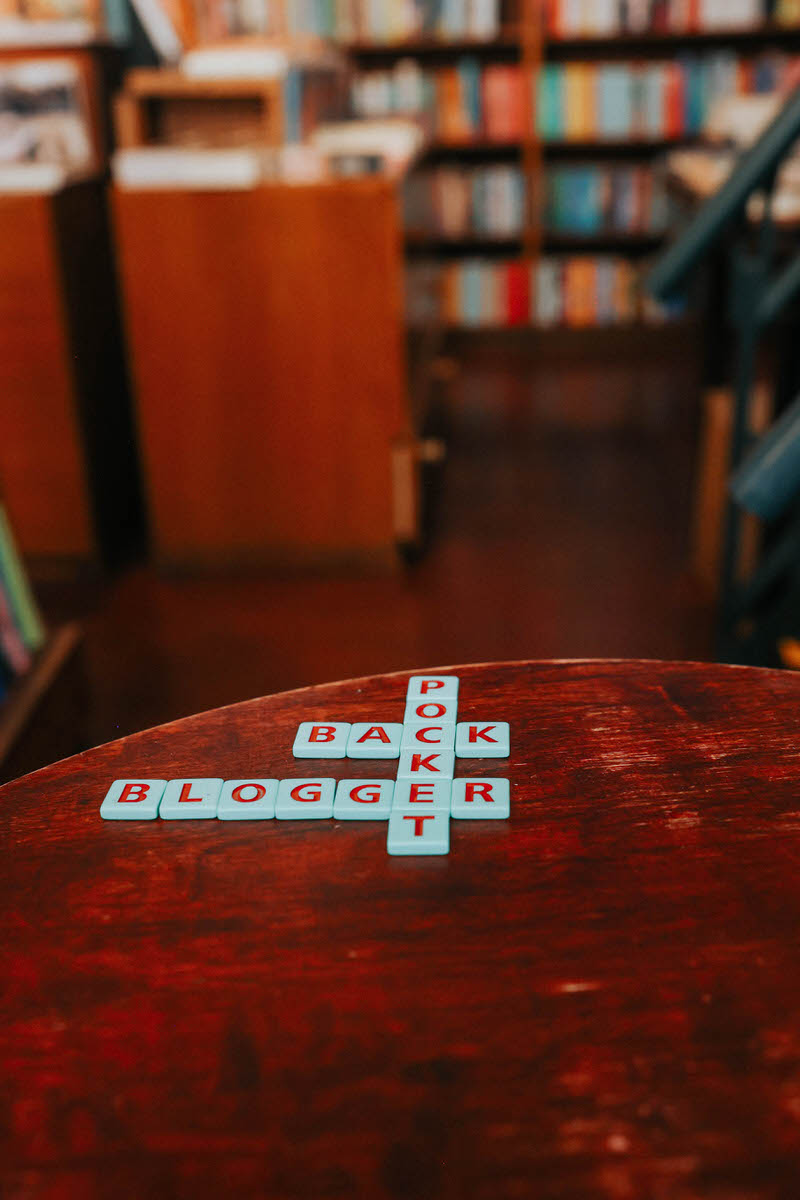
533 43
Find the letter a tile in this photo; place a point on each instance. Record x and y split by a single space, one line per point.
321 739
418 833
373 739
133 800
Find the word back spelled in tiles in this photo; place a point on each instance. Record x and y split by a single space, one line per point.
417 805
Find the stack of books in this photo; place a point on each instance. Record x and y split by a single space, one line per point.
583 101
580 291
21 629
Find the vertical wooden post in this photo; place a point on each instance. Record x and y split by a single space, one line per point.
532 38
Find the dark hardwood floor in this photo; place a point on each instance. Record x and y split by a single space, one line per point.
558 529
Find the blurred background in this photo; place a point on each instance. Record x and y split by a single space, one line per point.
330 344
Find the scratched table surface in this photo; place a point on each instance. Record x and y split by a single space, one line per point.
597 998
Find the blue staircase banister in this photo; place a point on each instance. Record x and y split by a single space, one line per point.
755 169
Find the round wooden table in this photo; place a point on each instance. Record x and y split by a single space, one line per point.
596 998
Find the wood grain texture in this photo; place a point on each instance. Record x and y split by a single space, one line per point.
594 999
266 334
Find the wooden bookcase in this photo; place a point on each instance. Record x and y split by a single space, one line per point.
526 40
267 339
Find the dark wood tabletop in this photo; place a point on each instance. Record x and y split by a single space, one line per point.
597 998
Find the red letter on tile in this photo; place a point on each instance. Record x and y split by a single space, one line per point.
374 732
430 712
314 788
420 793
365 793
476 732
420 735
419 822
128 797
322 733
186 795
418 763
258 788
430 685
484 789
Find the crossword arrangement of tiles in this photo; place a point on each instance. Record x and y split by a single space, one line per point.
417 805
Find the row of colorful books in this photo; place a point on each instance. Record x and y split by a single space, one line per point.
607 18
619 101
574 101
395 20
600 199
579 291
455 201
21 629
463 101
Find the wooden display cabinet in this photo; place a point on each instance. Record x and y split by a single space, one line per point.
67 462
267 337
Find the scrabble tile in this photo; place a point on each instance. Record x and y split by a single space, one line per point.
430 687
426 764
422 795
429 736
190 799
363 800
418 708
247 800
482 739
480 799
374 740
418 833
305 799
321 739
132 800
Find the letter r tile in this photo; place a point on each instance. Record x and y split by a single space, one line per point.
321 739
480 799
133 800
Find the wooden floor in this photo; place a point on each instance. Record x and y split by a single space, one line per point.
558 529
